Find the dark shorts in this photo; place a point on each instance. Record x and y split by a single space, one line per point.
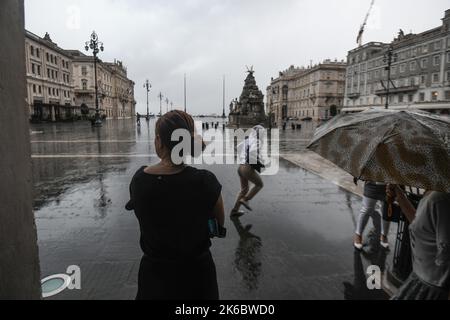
178 280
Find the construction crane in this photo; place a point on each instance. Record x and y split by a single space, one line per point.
363 26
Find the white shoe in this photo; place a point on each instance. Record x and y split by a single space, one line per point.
385 245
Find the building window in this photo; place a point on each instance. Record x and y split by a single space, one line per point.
437 60
40 90
32 50
437 45
400 98
448 75
33 69
84 71
50 91
48 58
412 66
434 96
39 70
402 68
422 97
423 79
410 97
38 53
435 77
447 95
425 48
34 88
423 63
448 57
84 84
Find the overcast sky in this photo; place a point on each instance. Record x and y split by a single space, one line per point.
206 39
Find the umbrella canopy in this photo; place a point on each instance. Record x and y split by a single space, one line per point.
410 148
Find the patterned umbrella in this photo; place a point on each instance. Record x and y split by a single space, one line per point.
410 148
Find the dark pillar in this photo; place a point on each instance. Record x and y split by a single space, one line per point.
19 259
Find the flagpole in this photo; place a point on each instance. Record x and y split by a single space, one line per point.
224 115
185 99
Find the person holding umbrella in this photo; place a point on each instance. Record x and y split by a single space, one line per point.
430 245
402 148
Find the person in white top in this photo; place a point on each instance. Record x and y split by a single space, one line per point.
249 169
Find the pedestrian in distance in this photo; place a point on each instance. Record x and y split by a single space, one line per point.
249 170
175 204
138 119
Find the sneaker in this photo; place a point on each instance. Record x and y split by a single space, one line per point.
237 213
246 205
385 245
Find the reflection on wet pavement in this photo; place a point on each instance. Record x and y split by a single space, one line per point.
248 255
299 245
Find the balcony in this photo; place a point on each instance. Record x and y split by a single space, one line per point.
404 89
354 95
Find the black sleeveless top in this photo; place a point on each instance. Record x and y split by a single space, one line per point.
173 212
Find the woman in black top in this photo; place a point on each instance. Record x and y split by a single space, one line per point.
173 204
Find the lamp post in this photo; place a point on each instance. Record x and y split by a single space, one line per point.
160 96
148 86
167 104
389 57
96 46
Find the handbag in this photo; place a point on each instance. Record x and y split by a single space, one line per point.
393 215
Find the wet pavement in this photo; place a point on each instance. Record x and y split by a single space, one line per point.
296 244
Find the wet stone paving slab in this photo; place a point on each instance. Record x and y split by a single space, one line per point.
296 244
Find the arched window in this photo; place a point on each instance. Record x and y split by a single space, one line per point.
285 92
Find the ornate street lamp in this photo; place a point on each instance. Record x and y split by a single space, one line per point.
96 46
148 86
389 58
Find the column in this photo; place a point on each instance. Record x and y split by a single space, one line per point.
19 259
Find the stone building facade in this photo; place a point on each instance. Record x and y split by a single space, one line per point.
124 105
420 72
115 90
61 85
315 92
50 92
